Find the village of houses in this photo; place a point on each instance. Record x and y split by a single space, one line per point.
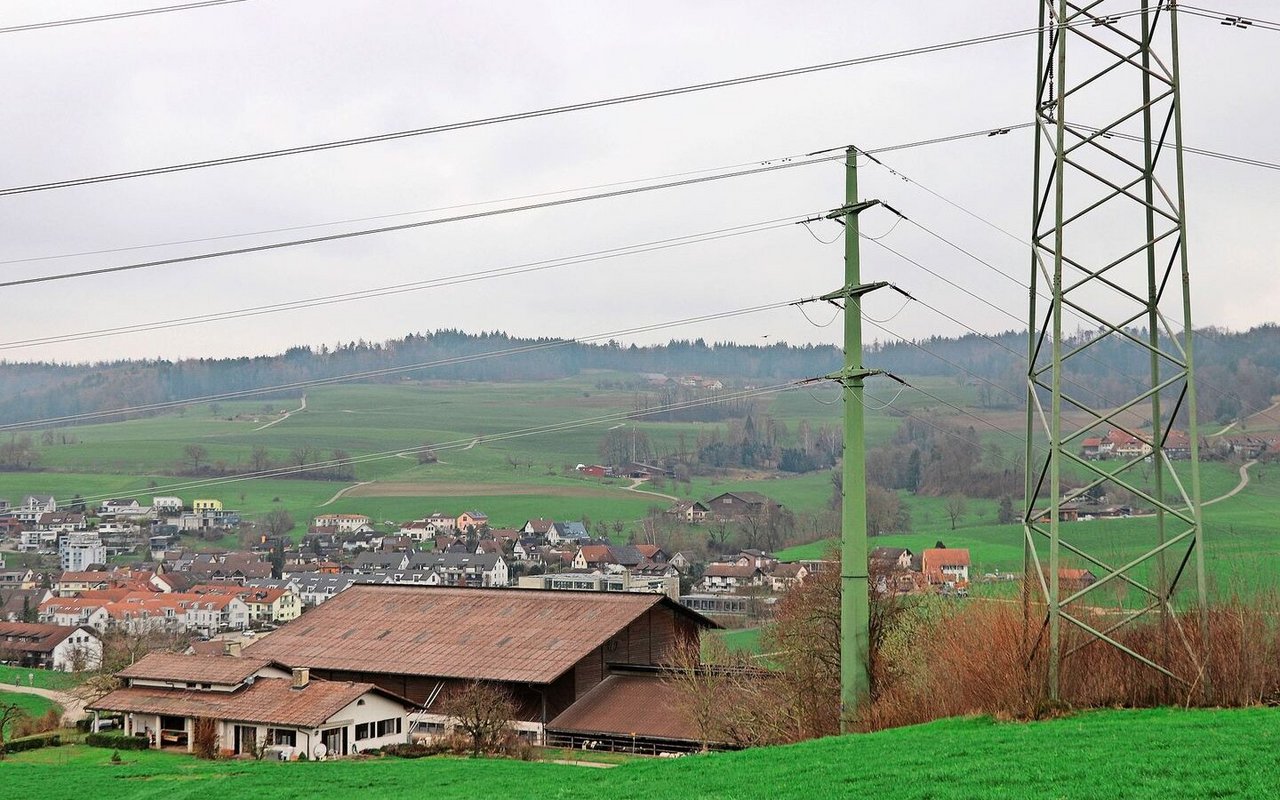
351 638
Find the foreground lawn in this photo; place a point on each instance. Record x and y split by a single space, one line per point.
1161 753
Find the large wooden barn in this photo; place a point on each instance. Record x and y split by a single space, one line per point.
548 648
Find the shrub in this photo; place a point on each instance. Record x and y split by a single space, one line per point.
415 749
204 739
32 743
116 741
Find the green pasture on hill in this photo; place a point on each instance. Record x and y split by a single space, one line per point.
40 678
1160 753
518 478
33 704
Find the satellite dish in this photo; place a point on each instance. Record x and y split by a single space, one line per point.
319 751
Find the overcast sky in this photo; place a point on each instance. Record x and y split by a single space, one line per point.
264 74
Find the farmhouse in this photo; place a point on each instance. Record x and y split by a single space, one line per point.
254 703
943 566
547 648
740 504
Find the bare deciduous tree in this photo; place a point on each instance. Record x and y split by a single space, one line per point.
956 507
483 711
195 455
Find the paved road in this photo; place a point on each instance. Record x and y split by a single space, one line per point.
1244 481
287 414
343 491
72 706
637 481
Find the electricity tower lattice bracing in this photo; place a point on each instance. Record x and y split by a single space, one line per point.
1110 351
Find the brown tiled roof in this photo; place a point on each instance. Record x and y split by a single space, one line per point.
520 635
722 570
268 700
626 704
31 637
195 669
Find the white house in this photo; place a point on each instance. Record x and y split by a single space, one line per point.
723 577
255 706
64 648
344 523
167 505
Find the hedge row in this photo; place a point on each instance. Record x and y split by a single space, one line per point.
117 742
31 743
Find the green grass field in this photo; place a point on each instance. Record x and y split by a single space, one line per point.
1161 753
34 705
139 457
43 678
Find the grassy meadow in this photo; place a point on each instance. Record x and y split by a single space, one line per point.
514 479
33 704
1158 753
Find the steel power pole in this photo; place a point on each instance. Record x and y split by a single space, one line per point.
1109 237
855 611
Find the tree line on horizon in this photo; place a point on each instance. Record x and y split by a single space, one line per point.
1238 372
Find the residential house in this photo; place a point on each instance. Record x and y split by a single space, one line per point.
537 527
756 558
1095 448
652 552
72 582
946 566
785 576
526 549
567 532
206 504
723 577
344 523
690 511
61 522
33 505
890 559
464 569
1075 579
58 647
21 605
442 522
126 507
609 558
167 506
74 612
469 521
683 560
255 705
374 562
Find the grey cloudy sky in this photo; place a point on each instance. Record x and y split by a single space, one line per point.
263 74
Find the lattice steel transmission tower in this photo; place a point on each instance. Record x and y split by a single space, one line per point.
1109 284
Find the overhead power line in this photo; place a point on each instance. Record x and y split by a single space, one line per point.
1231 20
546 112
413 286
764 167
333 237
59 23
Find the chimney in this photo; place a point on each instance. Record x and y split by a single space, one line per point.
301 677
232 647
